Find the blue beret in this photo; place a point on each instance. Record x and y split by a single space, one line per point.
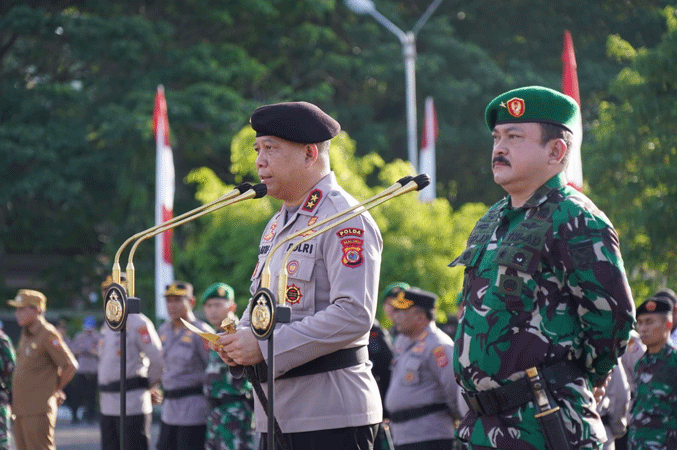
300 122
533 104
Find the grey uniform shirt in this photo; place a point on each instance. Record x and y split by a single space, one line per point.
85 347
332 291
615 406
423 374
185 357
144 359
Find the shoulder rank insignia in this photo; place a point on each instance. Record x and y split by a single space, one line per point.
312 200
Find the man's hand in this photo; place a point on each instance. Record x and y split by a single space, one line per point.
599 390
240 348
156 396
60 397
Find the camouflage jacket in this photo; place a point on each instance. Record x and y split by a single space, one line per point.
7 363
653 420
543 283
219 383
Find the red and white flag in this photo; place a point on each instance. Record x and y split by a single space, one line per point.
164 202
574 170
427 158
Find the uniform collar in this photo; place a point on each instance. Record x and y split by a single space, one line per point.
37 326
542 193
317 195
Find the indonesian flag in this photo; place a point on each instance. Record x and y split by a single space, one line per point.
427 158
574 170
164 201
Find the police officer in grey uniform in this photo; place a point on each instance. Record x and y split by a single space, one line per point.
325 394
614 406
422 398
144 369
185 408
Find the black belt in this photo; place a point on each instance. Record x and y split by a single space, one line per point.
183 392
339 359
216 402
519 392
414 413
130 385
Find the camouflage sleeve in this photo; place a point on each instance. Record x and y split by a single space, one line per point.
596 278
7 361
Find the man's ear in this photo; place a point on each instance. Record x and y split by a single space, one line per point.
312 153
557 148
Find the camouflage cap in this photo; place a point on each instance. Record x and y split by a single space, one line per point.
414 296
29 297
179 289
533 104
218 290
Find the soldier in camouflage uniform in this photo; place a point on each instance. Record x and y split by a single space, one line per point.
653 419
7 362
229 424
544 286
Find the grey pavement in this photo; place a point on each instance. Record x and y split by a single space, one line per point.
84 436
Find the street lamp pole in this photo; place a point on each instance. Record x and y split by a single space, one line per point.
408 41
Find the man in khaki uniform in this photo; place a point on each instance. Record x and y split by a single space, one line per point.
44 366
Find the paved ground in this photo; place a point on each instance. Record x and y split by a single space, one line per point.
84 436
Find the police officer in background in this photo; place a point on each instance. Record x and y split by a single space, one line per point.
44 366
422 397
545 294
229 425
143 369
614 407
325 394
85 347
185 354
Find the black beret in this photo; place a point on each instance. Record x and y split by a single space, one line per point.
654 305
414 297
667 294
300 122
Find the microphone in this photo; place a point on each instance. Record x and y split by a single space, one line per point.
239 189
265 274
414 184
247 192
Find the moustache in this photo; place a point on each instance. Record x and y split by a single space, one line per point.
500 159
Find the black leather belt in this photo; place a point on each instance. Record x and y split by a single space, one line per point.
519 392
130 385
183 392
339 359
215 402
404 415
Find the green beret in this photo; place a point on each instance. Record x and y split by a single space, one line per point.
392 289
414 296
533 104
218 290
654 305
300 122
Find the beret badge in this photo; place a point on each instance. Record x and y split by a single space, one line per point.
516 107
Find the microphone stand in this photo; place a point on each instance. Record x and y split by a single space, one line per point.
118 305
265 312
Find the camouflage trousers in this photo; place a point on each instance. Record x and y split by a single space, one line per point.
4 427
230 427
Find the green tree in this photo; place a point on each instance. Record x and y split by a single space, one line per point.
631 162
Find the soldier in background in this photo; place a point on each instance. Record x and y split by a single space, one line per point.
86 349
44 366
185 355
388 294
422 398
229 424
653 423
143 371
7 364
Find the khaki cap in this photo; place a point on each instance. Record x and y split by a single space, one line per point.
29 297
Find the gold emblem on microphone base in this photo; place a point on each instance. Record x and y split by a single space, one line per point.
114 308
261 314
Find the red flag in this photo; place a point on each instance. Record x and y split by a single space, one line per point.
574 171
427 159
164 201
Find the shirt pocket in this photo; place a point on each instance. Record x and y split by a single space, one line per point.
412 371
299 292
515 286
